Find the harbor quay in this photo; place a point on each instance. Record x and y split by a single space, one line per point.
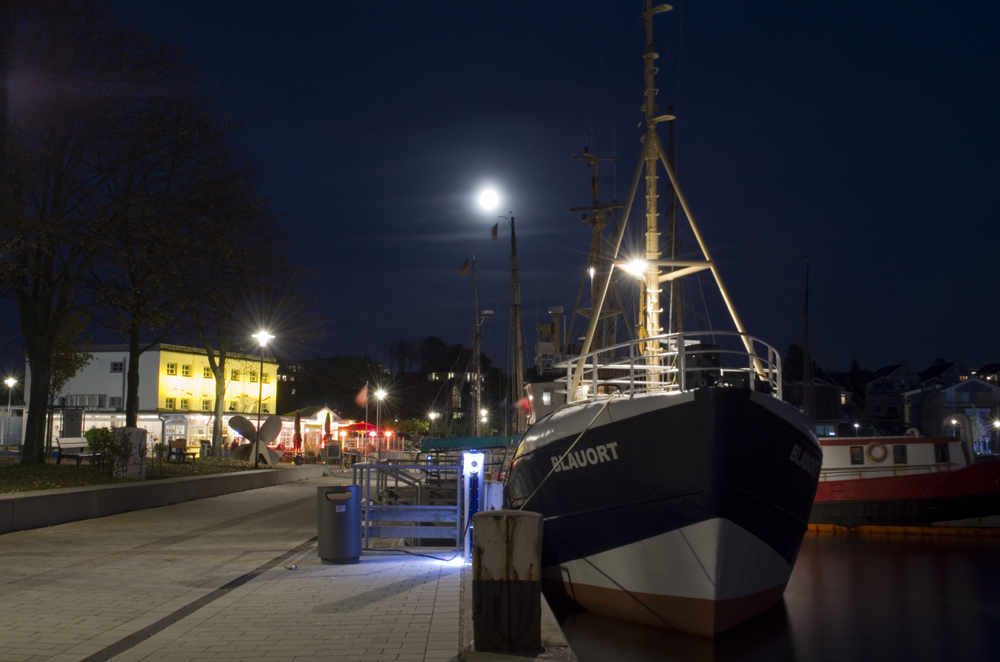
230 577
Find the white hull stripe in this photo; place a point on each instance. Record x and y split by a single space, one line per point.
713 560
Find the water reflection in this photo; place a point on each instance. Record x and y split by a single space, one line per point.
850 598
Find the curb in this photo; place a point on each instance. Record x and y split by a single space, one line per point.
21 511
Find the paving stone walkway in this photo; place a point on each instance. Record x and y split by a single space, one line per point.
214 579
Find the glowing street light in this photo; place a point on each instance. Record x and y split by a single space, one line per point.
636 267
856 426
433 416
262 338
379 397
10 381
488 199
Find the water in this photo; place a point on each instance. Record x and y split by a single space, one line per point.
859 598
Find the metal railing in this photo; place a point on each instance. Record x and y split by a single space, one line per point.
675 362
406 519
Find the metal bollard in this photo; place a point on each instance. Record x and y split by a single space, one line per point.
507 582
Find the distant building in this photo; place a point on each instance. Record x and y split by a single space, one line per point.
176 391
827 418
884 397
944 374
930 408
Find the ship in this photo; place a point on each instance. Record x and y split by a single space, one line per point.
674 482
908 481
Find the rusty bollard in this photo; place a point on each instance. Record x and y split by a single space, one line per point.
507 581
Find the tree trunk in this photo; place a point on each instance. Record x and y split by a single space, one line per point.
40 361
219 369
132 397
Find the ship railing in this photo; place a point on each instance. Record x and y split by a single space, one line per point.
676 362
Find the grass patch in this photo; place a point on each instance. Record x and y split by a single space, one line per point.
17 478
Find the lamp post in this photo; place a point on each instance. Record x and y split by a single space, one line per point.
262 337
432 415
856 426
379 396
10 381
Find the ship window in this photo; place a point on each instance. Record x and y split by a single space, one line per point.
547 396
941 453
899 454
857 455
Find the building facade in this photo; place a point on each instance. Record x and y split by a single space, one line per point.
176 391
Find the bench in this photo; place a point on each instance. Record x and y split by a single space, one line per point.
76 448
178 449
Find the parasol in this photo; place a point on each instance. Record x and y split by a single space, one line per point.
326 430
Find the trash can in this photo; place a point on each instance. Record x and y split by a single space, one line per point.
339 527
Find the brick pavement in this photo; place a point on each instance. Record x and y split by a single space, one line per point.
72 591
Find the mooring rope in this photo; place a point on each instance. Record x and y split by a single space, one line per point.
568 451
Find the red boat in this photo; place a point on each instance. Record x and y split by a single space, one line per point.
907 481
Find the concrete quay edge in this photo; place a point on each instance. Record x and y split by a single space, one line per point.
554 641
21 511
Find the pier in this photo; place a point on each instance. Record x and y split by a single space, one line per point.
232 577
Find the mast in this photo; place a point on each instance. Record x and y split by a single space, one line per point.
806 361
651 300
652 151
515 316
476 342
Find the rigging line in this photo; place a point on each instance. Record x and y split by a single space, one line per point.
571 446
613 581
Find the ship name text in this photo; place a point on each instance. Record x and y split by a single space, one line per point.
806 462
595 455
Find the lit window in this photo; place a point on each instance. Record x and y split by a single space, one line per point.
234 375
265 377
843 398
232 405
169 403
185 371
207 372
206 405
962 378
184 404
117 366
171 368
547 396
253 375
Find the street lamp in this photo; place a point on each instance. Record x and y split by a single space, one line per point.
262 337
856 426
432 415
10 381
379 397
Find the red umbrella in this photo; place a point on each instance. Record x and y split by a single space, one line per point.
297 437
326 430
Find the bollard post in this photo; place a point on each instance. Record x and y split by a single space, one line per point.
507 582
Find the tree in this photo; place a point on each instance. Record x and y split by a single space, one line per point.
61 148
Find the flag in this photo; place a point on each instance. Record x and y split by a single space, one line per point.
361 398
496 229
465 267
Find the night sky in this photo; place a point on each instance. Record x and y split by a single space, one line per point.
862 134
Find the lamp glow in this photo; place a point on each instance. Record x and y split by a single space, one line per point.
636 267
262 337
488 199
380 394
10 381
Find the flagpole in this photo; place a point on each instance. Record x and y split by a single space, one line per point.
366 420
